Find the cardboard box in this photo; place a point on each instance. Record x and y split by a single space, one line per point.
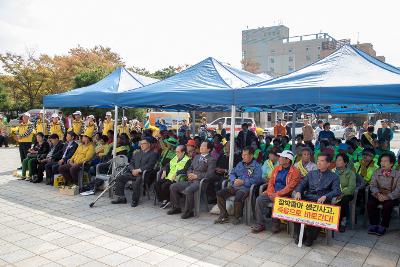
69 190
58 180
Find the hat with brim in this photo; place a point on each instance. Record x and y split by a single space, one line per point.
27 114
171 141
191 143
108 113
54 115
90 117
77 113
286 154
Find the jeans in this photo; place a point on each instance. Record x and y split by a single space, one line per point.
262 208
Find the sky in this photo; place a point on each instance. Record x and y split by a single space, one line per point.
154 34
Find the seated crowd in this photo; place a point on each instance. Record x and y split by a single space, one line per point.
176 163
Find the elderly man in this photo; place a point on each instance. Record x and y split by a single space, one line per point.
308 132
385 191
279 129
385 133
245 137
77 123
317 186
284 178
54 155
305 165
244 175
25 135
143 160
172 172
202 166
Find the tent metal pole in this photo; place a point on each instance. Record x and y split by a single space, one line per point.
232 138
43 121
123 112
294 132
115 131
193 123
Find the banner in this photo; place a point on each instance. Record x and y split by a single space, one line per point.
306 212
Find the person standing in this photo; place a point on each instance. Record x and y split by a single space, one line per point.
349 131
108 123
308 133
245 137
385 133
25 136
326 134
56 126
124 127
287 128
39 124
279 129
363 129
90 128
77 123
319 129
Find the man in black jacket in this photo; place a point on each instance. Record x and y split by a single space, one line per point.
143 160
61 158
245 137
54 155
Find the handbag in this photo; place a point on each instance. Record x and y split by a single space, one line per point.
31 156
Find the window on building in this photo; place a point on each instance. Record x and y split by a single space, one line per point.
290 50
290 69
308 58
272 60
290 59
307 48
271 70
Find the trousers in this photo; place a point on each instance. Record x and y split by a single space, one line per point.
70 173
187 188
373 211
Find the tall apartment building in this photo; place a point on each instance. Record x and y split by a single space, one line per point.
276 53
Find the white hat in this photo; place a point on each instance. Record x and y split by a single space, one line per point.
124 118
108 113
286 154
41 111
91 116
77 113
54 115
26 114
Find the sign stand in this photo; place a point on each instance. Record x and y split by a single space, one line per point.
301 234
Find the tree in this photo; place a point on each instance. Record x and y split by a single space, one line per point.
251 65
4 101
89 77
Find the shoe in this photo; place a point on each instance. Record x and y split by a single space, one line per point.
258 228
308 242
28 179
381 230
119 200
163 204
87 193
134 203
236 221
342 228
222 219
276 226
174 211
166 205
187 215
20 168
22 178
372 229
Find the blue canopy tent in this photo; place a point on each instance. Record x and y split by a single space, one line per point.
101 94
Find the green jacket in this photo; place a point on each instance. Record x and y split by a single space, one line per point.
347 181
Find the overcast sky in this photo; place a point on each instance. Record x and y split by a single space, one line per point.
156 34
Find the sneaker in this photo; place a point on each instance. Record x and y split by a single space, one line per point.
257 228
381 230
372 229
166 205
87 193
163 204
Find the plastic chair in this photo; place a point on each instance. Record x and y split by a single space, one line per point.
360 183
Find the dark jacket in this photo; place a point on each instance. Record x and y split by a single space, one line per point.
70 151
144 161
57 151
43 150
241 142
317 184
203 167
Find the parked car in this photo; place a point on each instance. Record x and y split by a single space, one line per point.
226 122
298 128
338 131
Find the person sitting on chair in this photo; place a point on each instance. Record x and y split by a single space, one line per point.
385 191
284 178
55 154
84 153
305 165
202 166
317 186
242 177
143 160
171 173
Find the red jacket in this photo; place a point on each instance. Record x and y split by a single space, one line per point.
292 180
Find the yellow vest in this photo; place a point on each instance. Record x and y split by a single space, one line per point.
25 131
107 125
175 165
39 127
123 129
77 127
57 128
83 153
90 130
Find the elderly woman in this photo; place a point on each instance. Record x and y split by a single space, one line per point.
347 186
39 151
385 191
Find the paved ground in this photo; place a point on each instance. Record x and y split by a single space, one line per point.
40 227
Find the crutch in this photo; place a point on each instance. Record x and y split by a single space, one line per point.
109 186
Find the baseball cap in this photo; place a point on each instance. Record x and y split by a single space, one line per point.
54 115
124 118
191 143
91 116
77 113
108 113
343 146
26 114
286 154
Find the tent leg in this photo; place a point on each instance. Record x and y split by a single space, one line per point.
193 123
43 121
294 132
232 137
115 132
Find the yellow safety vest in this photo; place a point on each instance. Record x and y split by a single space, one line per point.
90 130
301 168
76 127
123 129
25 131
39 127
57 128
175 165
107 125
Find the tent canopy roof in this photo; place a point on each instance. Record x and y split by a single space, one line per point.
347 76
207 84
102 93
